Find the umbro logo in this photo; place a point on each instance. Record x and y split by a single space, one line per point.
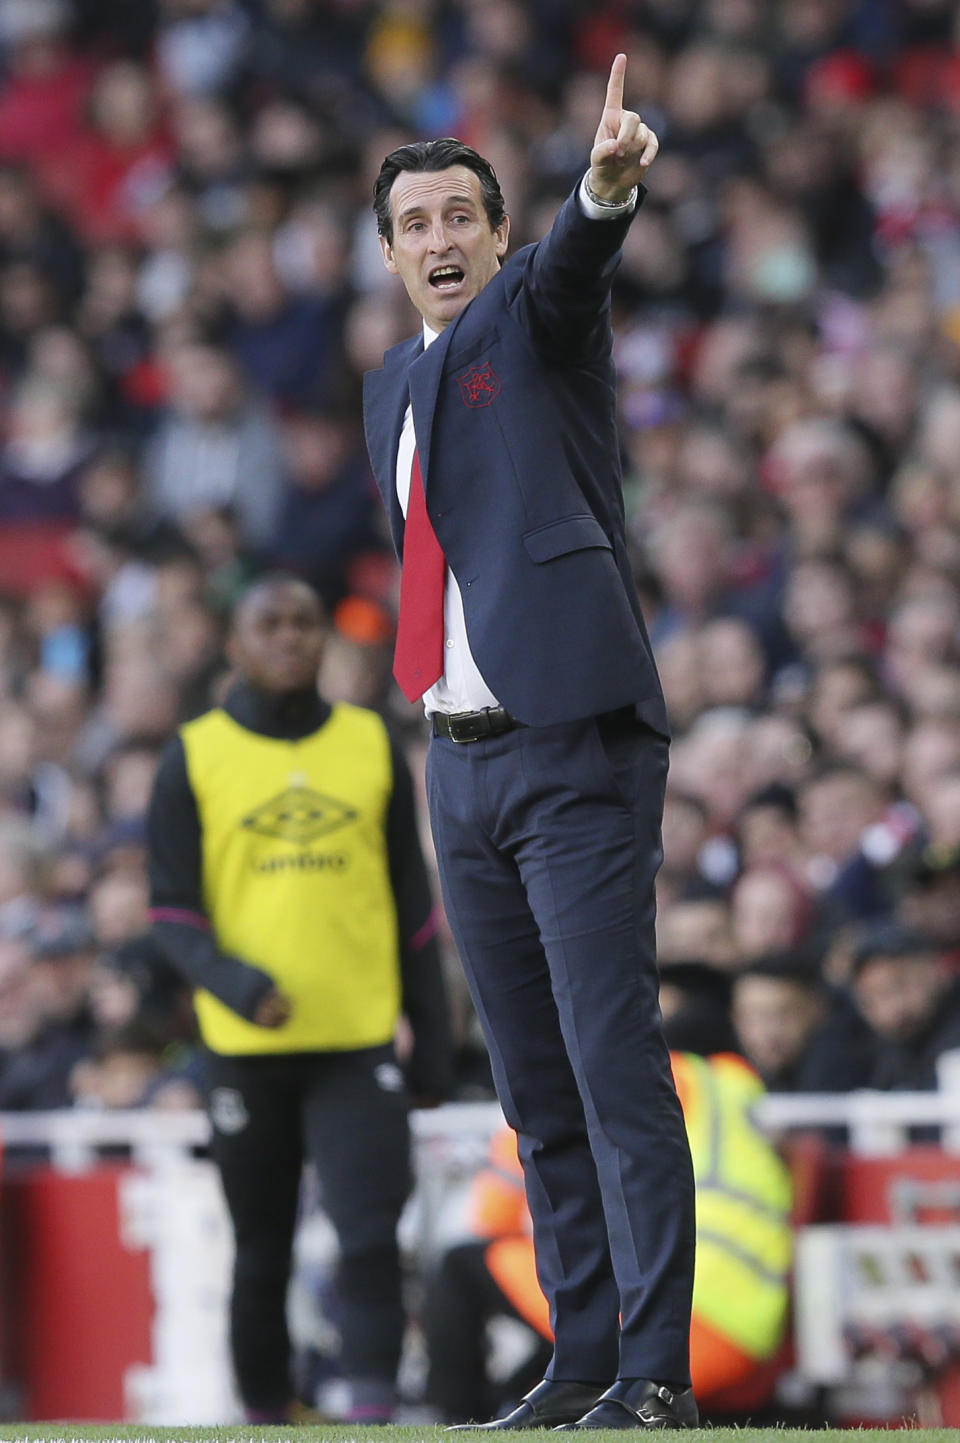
299 815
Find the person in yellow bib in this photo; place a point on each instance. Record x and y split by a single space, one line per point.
741 1279
289 887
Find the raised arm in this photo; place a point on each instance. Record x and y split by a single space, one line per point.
564 298
624 147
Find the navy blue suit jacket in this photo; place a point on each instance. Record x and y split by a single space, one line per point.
514 413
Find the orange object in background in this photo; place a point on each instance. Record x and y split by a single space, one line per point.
498 1210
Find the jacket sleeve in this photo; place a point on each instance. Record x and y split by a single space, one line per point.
425 1004
563 301
179 924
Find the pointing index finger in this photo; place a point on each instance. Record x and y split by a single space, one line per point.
614 99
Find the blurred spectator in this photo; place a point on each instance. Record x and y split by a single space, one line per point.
213 166
842 811
43 453
696 926
822 473
29 228
820 608
128 1069
731 664
931 749
695 1003
330 514
215 446
872 735
712 763
910 999
200 44
691 555
38 1074
684 837
18 1003
134 982
287 345
799 1035
46 81
767 828
837 685
358 658
771 910
20 856
925 883
115 166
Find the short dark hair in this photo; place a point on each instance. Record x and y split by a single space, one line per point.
798 965
776 795
892 941
138 1036
269 581
427 155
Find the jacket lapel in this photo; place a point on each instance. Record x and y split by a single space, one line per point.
385 399
424 380
410 374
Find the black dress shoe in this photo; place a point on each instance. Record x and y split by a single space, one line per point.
639 1403
550 1403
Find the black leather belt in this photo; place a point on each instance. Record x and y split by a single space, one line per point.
473 726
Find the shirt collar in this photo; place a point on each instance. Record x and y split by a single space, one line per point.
429 336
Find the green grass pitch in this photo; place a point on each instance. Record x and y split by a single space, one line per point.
343 1433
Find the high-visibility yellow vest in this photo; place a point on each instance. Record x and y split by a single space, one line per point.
744 1196
296 877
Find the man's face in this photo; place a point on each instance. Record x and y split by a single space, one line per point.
934 908
443 248
62 984
278 637
774 1018
835 810
698 929
899 995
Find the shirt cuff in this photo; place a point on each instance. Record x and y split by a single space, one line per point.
605 212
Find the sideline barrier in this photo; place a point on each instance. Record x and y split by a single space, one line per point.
114 1275
113 1290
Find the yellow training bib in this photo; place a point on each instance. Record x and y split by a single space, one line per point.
296 877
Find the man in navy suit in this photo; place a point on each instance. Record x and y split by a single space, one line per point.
494 442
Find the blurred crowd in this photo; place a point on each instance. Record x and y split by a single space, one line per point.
190 291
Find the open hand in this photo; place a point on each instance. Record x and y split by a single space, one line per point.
623 148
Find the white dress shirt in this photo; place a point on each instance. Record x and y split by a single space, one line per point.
462 687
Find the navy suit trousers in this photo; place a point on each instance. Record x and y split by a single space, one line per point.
548 841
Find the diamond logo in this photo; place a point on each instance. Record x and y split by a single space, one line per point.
299 815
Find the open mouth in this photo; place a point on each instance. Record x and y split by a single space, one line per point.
446 278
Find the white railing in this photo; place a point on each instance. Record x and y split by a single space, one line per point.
74 1136
172 1206
878 1124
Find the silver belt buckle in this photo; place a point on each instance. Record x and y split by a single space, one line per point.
468 727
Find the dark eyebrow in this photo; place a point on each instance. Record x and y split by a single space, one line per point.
450 200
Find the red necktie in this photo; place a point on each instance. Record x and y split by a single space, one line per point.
418 655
